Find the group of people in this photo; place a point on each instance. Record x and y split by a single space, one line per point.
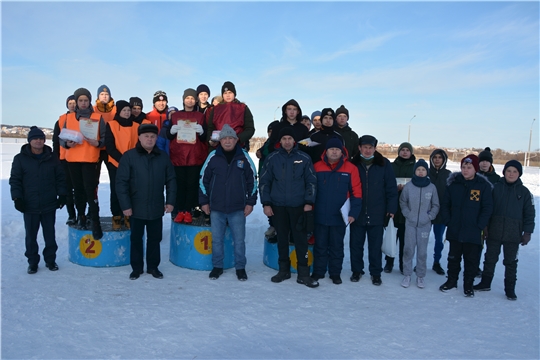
311 181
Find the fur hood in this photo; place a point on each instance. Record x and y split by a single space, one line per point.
458 177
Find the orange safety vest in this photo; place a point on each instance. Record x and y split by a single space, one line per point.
82 152
61 122
107 116
125 138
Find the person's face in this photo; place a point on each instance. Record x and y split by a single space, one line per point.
148 140
468 171
341 120
327 121
405 153
317 122
203 97
215 101
333 155
420 171
104 97
160 105
136 110
83 102
484 165
228 143
367 150
437 160
228 96
511 174
37 145
125 113
307 123
287 142
71 105
291 111
189 102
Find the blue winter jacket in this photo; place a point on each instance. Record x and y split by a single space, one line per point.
288 179
228 187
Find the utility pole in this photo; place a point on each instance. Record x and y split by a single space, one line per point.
528 158
409 136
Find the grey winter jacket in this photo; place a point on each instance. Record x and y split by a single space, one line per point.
419 205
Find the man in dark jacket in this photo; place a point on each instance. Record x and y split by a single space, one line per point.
291 118
228 192
438 174
142 174
38 188
328 120
466 209
379 201
350 138
287 187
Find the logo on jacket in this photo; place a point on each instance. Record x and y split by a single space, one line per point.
240 164
298 161
475 195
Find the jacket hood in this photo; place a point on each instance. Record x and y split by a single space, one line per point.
458 177
27 150
444 156
284 113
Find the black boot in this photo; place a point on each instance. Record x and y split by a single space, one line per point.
468 290
484 284
450 284
304 278
509 289
389 265
284 272
81 222
97 233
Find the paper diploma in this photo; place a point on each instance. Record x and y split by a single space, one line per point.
89 128
186 134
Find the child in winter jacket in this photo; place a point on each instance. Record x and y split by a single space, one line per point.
419 204
511 224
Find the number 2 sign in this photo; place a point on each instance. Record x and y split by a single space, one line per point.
89 247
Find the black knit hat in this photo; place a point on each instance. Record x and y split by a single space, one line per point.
342 110
135 101
516 164
159 96
486 155
35 133
203 88
368 140
287 130
228 86
148 128
271 125
120 105
82 91
328 111
69 98
334 142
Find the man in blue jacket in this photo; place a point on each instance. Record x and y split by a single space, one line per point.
38 188
228 192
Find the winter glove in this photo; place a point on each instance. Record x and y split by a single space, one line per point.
61 201
19 205
309 221
175 128
525 238
198 129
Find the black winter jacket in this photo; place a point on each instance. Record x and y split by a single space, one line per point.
350 138
38 181
438 177
403 168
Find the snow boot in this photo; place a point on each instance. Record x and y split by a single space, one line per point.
389 265
468 290
116 223
284 272
97 233
438 269
509 289
448 285
304 278
215 273
484 284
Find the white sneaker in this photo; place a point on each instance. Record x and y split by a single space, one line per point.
420 282
270 232
406 281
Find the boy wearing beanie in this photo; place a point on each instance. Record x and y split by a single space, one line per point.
203 93
105 103
511 224
291 118
136 105
328 120
485 164
466 209
419 204
158 115
316 121
349 136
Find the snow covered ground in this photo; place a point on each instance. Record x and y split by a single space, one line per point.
82 312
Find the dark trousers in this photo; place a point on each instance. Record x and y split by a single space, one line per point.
70 201
154 233
469 252
510 260
285 219
328 249
357 241
400 238
115 205
31 225
85 184
187 187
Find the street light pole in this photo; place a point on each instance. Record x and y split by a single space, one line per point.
409 136
528 158
275 113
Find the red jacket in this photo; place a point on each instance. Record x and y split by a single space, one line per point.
188 154
157 118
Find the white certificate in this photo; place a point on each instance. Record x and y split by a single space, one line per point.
186 134
402 180
89 128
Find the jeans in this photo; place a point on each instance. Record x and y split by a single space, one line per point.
237 223
438 231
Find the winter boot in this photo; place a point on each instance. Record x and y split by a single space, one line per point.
215 273
284 272
450 284
438 269
389 265
468 290
484 284
116 223
97 233
509 289
304 278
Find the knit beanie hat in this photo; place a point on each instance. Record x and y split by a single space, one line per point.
334 143
228 86
315 113
471 159
203 88
103 88
120 105
189 92
135 101
367 140
148 128
328 111
421 163
35 133
486 155
516 164
406 145
82 91
227 131
69 98
287 130
342 110
159 96
305 117
271 125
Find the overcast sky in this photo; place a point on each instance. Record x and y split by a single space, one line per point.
468 71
